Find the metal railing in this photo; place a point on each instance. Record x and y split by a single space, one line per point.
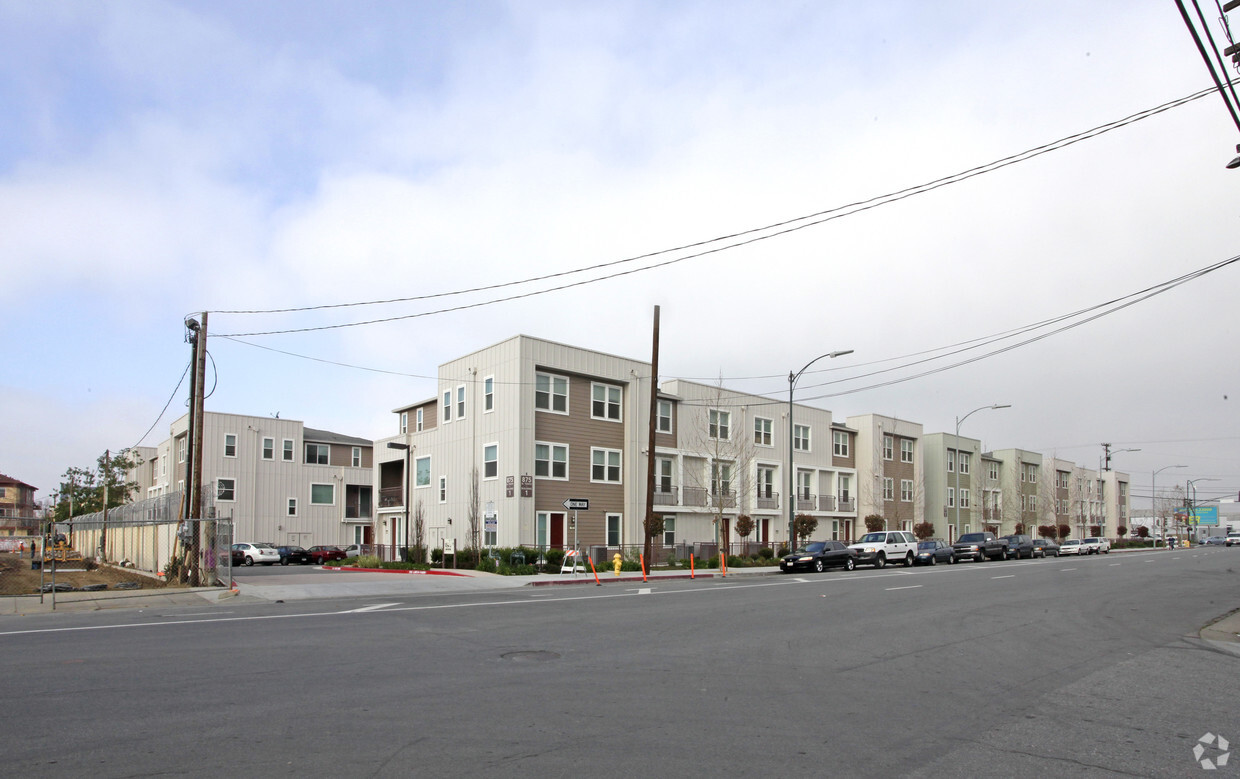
390 497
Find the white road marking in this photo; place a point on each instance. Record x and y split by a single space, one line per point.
1008 576
375 607
198 614
1113 565
1067 569
910 587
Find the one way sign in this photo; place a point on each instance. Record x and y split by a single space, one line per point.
576 504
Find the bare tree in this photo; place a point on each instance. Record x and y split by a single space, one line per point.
419 530
474 510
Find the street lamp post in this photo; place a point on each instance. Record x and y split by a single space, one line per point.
792 381
956 443
1154 498
405 499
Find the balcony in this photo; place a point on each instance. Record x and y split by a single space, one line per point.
723 499
695 496
826 503
665 496
767 500
358 512
807 502
847 504
391 497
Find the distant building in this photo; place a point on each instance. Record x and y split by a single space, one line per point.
18 510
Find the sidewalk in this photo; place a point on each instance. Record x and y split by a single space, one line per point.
68 602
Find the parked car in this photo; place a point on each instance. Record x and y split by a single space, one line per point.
932 551
1043 547
1018 546
819 556
262 553
979 547
237 557
1095 545
293 554
1215 541
354 550
886 545
1233 539
1071 546
323 554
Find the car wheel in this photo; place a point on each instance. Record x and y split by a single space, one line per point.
283 561
849 564
249 561
880 561
318 561
934 560
981 557
908 560
818 566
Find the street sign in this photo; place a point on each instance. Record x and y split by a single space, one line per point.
577 504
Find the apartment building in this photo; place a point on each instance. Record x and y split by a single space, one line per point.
18 509
1020 472
277 479
962 485
519 427
890 469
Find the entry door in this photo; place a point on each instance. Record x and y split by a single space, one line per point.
557 530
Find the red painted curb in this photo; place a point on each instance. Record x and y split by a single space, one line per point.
431 572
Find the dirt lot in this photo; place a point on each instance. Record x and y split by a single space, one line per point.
16 577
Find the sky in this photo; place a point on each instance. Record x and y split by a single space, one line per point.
162 159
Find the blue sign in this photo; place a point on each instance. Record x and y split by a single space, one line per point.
1202 515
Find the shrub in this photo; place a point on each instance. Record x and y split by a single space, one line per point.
875 522
1143 531
923 530
1095 530
766 552
368 561
555 558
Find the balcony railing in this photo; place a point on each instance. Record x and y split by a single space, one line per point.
665 496
390 497
358 512
723 499
847 504
826 503
695 496
806 502
767 500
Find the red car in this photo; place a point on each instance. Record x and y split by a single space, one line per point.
322 554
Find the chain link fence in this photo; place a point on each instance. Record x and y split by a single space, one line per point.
141 545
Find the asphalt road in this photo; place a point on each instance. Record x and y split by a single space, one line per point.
1065 666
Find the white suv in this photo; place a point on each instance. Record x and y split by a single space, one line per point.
1233 538
886 545
1095 545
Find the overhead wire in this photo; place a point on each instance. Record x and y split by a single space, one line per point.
171 397
767 232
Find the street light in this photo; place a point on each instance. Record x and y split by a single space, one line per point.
1154 490
956 443
792 381
405 498
1192 500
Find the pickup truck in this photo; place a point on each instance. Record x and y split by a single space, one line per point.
979 546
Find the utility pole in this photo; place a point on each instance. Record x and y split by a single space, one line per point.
1106 457
194 504
103 534
648 524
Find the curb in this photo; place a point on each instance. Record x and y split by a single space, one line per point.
431 572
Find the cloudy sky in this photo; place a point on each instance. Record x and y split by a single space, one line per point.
164 158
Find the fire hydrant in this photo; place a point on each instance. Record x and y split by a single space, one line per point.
615 562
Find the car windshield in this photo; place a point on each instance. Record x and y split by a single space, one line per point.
813 548
1072 542
927 545
973 537
873 538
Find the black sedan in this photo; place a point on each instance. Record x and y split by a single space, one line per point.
932 551
293 554
819 556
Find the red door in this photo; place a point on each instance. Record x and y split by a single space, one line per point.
557 530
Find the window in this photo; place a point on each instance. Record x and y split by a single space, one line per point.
422 472
269 448
1033 502
803 478
163 465
951 497
720 478
460 402
488 394
719 424
323 494
447 405
404 422
669 531
288 450
800 437
889 488
550 461
357 457
292 507
762 431
417 420
225 490
964 498
663 476
951 460
766 481
605 465
443 489
664 417
994 471
613 530
839 443
230 445
906 450
906 490
317 454
551 393
180 450
1033 473
888 447
962 459
844 485
605 402
490 461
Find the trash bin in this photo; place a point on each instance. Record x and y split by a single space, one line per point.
598 555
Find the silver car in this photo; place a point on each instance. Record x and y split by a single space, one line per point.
262 553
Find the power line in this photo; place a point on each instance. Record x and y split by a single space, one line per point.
165 410
759 234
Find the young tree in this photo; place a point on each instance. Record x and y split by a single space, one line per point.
474 510
875 522
804 525
1046 531
923 530
82 490
1064 531
744 526
419 531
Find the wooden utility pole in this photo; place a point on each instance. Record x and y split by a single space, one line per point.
103 534
195 481
649 524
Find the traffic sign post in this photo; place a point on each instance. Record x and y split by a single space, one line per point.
574 505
